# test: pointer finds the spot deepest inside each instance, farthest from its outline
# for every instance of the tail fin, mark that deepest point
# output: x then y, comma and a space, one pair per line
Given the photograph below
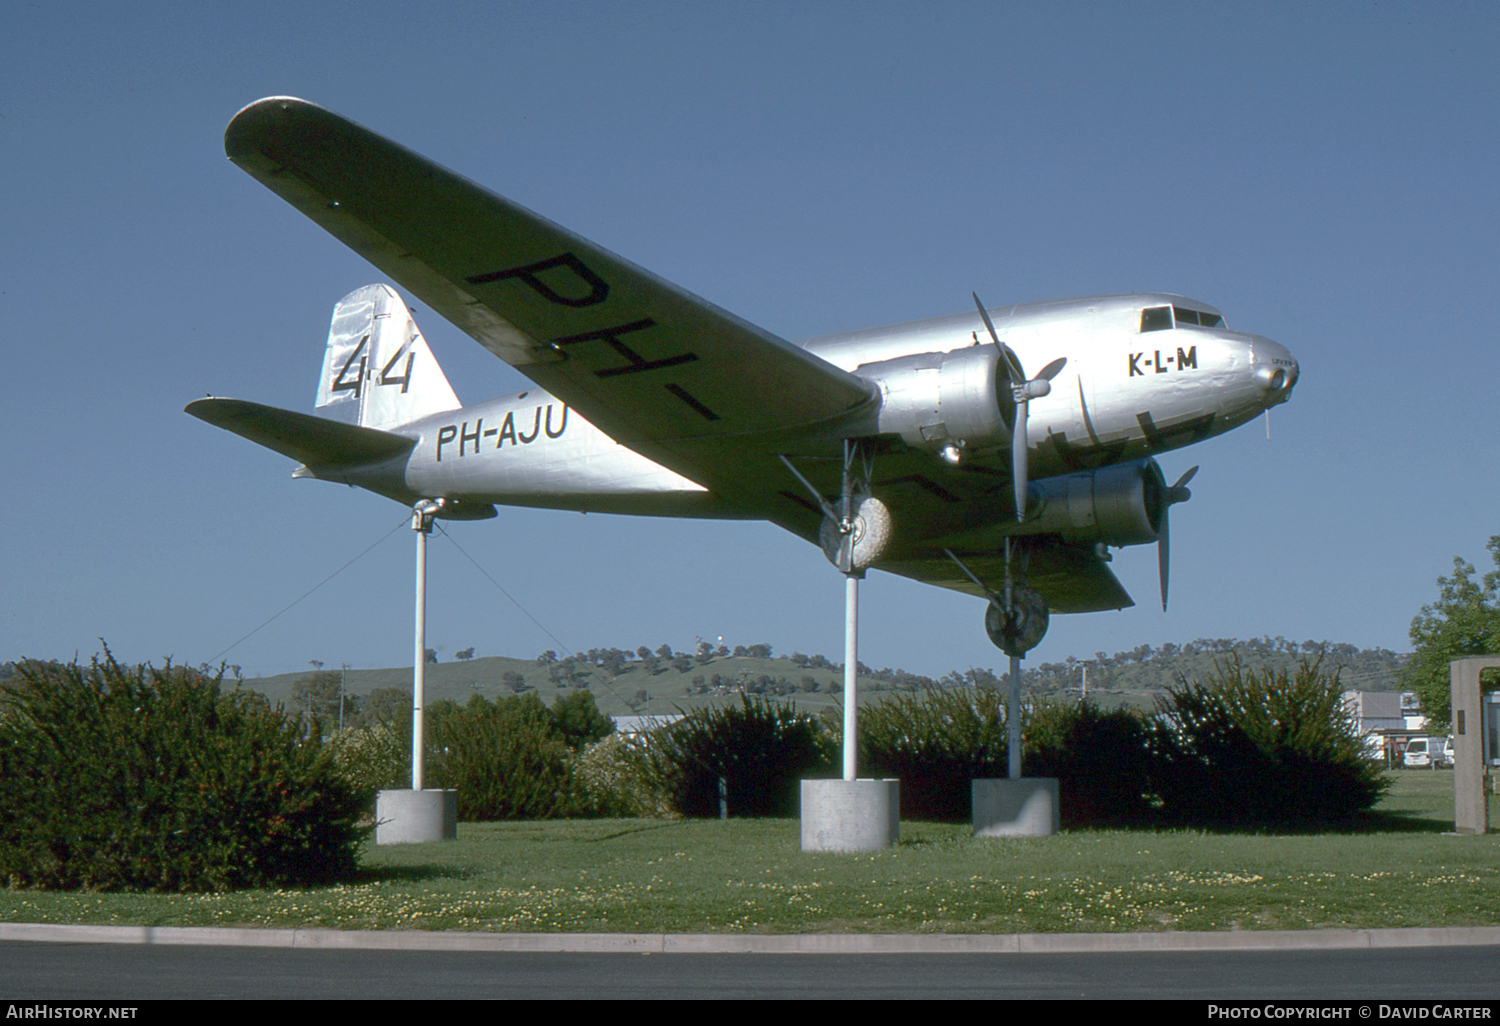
377, 370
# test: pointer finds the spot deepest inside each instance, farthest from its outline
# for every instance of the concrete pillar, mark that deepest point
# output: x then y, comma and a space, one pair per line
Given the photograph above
1470, 808
412, 817
850, 815
1025, 807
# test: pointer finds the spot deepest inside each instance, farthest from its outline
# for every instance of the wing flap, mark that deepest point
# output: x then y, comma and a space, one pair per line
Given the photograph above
646, 361
1070, 577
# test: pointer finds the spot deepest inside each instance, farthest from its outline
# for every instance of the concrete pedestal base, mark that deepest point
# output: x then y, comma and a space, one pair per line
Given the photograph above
1015, 808
850, 815
411, 817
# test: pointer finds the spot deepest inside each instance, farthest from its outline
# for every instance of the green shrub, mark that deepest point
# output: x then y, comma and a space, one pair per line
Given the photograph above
1099, 758
618, 779
1260, 748
156, 779
936, 742
940, 740
376, 757
761, 748
507, 760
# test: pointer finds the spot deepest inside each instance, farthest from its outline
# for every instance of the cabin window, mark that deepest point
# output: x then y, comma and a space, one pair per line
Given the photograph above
1200, 317
1156, 318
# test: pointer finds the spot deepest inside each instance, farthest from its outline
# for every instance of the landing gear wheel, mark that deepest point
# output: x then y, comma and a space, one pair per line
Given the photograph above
872, 532
1017, 631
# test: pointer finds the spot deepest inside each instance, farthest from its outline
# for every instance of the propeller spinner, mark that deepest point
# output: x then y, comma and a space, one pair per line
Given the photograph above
1022, 392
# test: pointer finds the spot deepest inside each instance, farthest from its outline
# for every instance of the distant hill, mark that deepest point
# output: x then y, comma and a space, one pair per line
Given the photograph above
618, 678
1141, 673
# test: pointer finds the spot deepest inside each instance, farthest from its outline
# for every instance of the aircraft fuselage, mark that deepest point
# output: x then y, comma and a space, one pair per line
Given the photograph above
1125, 393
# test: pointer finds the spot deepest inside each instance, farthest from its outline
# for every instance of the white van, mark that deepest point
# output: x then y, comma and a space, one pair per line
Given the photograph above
1419, 753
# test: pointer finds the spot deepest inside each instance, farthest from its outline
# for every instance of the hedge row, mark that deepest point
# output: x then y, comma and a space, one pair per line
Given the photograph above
1240, 749
114, 778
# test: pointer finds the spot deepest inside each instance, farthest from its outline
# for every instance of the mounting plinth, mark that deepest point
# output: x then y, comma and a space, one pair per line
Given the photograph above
1024, 807
412, 817
850, 815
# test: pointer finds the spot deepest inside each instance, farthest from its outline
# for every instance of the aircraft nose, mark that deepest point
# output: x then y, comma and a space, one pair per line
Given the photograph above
1274, 370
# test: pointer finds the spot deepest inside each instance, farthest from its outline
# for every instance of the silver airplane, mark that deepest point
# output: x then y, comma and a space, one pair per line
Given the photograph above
945, 455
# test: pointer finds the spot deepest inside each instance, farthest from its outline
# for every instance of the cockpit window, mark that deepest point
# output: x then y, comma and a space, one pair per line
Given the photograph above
1156, 318
1202, 317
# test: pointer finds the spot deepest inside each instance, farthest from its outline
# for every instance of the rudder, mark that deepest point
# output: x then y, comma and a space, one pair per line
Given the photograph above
377, 370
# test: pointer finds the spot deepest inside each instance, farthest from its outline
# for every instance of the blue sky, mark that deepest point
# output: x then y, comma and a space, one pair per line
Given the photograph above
1324, 173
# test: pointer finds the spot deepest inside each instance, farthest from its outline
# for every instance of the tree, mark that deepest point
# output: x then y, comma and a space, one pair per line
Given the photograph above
514, 681
578, 721
464, 653
318, 694
1464, 621
386, 705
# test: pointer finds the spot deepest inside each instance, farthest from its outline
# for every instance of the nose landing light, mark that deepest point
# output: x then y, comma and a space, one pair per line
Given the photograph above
1270, 379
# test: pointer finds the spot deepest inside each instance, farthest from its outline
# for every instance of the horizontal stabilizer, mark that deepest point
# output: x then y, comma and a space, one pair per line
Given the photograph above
313, 441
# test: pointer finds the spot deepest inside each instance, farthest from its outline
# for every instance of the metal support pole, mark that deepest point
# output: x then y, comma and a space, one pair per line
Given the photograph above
851, 673
421, 523
419, 657
1013, 720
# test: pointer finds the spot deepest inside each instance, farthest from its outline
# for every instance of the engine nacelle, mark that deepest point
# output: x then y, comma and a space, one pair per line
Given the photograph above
1118, 505
936, 400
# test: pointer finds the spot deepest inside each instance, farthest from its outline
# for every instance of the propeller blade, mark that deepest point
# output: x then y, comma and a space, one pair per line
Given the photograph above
1013, 365
1054, 368
986, 315
1164, 555
1018, 455
1022, 391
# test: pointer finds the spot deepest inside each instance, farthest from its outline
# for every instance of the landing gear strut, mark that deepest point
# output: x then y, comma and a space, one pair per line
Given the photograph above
1016, 621
853, 537
850, 814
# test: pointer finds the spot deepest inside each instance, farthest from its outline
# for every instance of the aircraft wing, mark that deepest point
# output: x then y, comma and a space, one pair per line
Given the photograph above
1070, 577
657, 368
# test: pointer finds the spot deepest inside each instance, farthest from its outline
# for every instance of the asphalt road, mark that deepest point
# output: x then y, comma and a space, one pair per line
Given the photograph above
36, 971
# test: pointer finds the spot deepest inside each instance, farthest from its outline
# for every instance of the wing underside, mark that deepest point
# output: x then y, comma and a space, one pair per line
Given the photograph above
658, 369
684, 383
1070, 577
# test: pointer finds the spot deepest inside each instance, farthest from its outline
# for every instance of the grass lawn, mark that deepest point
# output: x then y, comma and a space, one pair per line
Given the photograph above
749, 875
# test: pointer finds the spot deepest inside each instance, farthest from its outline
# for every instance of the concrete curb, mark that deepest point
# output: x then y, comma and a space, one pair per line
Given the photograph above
775, 944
